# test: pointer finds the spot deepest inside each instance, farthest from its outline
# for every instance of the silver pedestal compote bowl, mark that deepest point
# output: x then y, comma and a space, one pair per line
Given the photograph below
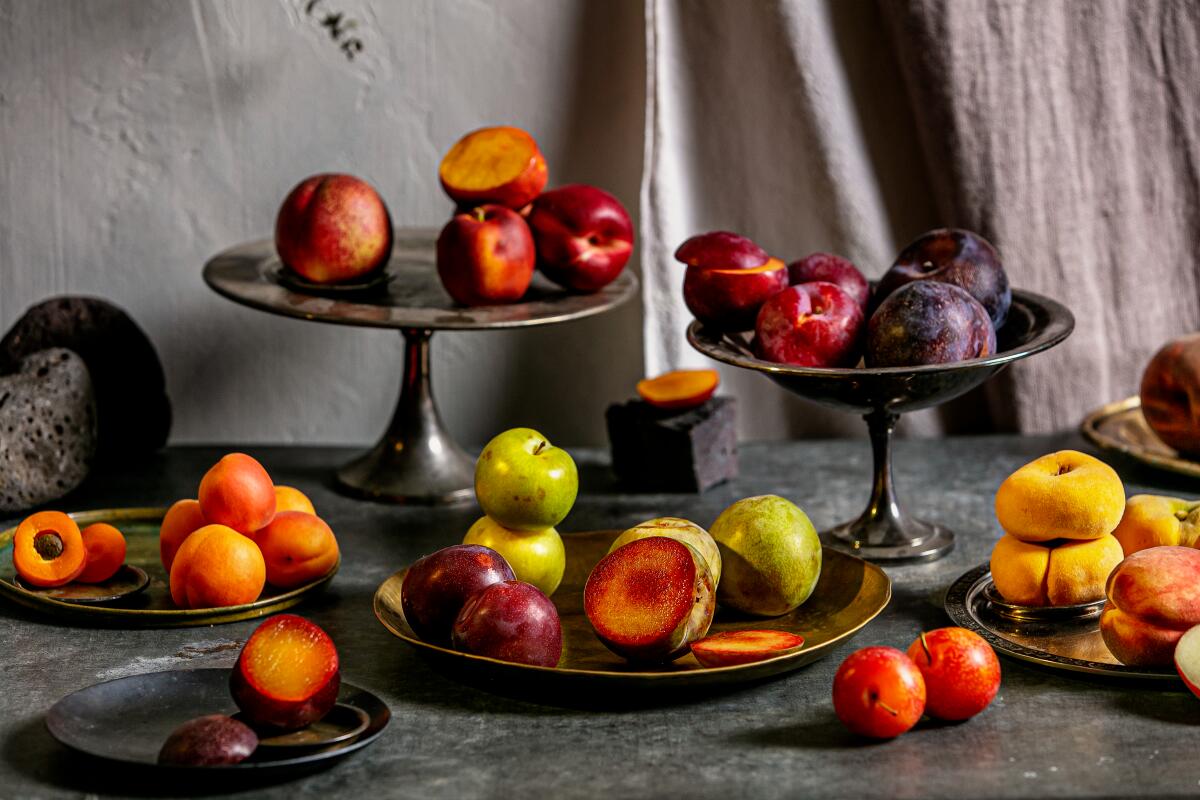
884, 531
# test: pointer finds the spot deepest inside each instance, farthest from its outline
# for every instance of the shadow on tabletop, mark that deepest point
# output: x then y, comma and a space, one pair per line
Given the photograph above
33, 753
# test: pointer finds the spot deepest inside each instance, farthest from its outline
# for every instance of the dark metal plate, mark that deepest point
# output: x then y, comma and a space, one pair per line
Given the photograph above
1063, 639
127, 580
849, 594
341, 724
128, 719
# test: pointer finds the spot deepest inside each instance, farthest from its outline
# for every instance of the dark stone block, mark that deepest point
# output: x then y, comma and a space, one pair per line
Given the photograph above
661, 450
47, 429
132, 408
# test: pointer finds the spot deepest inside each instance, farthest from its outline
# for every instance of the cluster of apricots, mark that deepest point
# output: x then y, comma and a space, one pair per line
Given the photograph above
49, 550
241, 533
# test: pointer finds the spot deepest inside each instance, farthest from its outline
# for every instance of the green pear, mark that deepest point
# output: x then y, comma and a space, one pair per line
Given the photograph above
770, 556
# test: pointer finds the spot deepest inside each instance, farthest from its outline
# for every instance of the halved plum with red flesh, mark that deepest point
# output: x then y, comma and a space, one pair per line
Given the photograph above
650, 599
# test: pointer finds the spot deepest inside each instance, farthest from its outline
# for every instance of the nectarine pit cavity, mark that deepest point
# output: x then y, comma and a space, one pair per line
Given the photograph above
48, 544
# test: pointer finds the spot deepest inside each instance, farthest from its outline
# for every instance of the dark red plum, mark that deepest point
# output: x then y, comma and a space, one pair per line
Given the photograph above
208, 741
815, 324
721, 250
928, 322
436, 586
833, 269
957, 257
511, 621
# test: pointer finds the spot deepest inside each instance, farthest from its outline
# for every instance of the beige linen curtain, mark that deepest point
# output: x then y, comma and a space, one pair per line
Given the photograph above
1066, 131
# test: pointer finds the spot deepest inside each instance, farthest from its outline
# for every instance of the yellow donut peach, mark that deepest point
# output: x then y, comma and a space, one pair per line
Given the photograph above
1063, 495
1062, 573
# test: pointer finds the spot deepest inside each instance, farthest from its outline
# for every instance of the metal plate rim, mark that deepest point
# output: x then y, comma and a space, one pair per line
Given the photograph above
957, 606
1090, 428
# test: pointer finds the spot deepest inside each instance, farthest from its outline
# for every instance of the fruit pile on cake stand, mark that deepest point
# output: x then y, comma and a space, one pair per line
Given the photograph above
335, 258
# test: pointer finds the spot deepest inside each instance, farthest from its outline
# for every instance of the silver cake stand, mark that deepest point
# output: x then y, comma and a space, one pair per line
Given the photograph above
885, 531
416, 461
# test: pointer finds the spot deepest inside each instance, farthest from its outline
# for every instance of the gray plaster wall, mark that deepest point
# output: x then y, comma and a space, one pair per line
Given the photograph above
137, 138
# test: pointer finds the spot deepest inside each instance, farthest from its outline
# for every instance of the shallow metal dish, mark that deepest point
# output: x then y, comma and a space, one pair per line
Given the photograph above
1120, 427
127, 720
849, 594
151, 608
1062, 639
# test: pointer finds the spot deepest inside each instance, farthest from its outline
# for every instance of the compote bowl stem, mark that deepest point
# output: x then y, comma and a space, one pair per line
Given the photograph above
884, 532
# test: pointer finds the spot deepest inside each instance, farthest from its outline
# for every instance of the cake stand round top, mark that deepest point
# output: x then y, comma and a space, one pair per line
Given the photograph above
412, 297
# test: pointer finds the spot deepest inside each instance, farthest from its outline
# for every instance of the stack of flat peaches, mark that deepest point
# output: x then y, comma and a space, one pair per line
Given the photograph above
335, 229
1072, 538
942, 301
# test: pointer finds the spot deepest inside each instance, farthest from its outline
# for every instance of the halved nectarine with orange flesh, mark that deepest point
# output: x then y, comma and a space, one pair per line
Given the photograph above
48, 549
494, 165
731, 298
744, 647
178, 523
650, 599
105, 547
287, 675
682, 388
237, 492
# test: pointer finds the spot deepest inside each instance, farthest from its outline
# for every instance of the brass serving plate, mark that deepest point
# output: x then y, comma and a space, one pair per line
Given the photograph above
1120, 427
1061, 638
850, 593
151, 608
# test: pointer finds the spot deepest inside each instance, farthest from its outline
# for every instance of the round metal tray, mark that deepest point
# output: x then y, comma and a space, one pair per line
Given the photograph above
849, 594
151, 608
1120, 428
1065, 638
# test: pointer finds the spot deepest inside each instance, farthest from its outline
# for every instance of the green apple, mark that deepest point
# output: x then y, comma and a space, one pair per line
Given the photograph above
685, 531
770, 556
536, 557
524, 483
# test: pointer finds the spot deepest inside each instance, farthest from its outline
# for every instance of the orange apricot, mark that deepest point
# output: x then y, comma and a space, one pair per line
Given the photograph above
237, 492
682, 388
48, 549
105, 547
297, 548
290, 499
217, 566
178, 523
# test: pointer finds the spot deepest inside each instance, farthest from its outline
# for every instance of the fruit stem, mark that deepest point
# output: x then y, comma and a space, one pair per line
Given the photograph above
537, 451
925, 647
887, 708
479, 214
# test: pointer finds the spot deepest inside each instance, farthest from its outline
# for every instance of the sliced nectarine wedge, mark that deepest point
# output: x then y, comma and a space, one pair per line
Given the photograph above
649, 599
287, 675
682, 388
744, 647
501, 165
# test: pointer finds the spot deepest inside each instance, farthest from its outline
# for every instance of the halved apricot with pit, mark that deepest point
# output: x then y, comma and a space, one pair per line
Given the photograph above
682, 388
501, 165
48, 549
105, 548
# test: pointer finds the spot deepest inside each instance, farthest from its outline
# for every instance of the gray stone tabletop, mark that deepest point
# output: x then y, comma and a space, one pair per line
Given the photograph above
1047, 733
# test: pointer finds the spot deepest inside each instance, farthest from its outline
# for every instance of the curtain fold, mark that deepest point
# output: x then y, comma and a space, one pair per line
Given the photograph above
1067, 133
